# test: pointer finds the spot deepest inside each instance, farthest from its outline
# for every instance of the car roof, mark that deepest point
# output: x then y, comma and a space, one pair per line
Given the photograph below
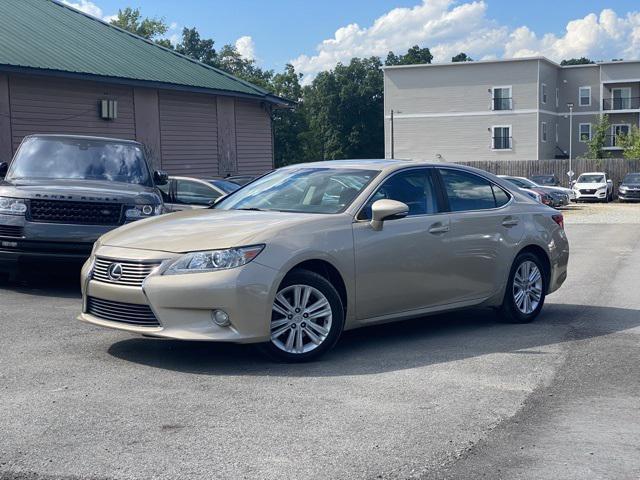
592, 173
81, 137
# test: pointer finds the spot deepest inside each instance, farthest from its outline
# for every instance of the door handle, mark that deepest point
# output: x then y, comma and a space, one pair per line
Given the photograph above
438, 227
510, 222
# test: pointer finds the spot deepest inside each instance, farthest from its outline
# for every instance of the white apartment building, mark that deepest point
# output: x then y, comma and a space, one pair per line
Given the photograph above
515, 109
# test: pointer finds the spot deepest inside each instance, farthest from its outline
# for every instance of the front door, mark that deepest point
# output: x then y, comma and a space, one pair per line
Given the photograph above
404, 266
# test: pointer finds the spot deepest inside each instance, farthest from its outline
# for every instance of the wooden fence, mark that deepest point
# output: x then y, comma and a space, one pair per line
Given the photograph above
616, 168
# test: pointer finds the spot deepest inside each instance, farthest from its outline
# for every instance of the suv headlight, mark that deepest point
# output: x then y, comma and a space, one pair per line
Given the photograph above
142, 211
213, 260
12, 206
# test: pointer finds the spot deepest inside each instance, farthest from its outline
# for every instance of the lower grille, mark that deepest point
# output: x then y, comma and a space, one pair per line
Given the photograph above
128, 273
81, 213
10, 231
627, 194
131, 314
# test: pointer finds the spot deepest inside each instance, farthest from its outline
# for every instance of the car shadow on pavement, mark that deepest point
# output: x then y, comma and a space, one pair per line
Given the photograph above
391, 347
60, 282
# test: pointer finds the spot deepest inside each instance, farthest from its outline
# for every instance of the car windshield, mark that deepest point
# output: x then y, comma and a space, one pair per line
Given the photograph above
544, 179
521, 182
58, 158
304, 190
632, 178
591, 179
226, 187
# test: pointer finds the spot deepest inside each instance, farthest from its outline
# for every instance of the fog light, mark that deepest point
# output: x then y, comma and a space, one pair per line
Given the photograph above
220, 318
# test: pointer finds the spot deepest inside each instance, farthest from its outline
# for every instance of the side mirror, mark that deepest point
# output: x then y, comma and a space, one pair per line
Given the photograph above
160, 177
383, 210
573, 182
215, 201
4, 168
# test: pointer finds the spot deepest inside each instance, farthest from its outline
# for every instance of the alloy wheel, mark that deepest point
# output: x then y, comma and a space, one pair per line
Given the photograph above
301, 319
527, 287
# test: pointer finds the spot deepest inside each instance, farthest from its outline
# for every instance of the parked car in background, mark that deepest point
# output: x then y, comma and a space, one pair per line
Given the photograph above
241, 179
550, 196
547, 180
592, 186
62, 192
276, 262
185, 193
629, 189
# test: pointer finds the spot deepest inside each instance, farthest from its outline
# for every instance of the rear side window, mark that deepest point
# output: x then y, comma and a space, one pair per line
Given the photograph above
412, 187
467, 191
194, 193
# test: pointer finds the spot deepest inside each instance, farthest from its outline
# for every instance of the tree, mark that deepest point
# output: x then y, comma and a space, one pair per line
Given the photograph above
600, 133
415, 55
230, 60
631, 143
461, 57
345, 111
197, 48
131, 20
577, 61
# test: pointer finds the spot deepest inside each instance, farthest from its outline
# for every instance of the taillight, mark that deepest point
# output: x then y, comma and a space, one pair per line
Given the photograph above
559, 219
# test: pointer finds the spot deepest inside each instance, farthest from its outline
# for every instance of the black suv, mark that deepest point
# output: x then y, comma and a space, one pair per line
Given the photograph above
62, 192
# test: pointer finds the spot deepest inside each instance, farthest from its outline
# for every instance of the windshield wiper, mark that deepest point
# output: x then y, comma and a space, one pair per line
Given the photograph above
251, 209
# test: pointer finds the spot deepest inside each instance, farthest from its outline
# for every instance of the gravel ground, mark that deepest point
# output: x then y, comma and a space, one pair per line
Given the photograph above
606, 213
458, 396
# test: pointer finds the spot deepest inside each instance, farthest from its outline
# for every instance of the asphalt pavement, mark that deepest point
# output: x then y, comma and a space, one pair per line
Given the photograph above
457, 396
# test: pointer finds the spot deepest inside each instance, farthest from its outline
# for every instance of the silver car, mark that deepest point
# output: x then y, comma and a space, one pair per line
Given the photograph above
308, 251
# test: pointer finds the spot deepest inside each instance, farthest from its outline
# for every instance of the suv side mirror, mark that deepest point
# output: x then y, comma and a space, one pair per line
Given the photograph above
160, 177
383, 210
4, 168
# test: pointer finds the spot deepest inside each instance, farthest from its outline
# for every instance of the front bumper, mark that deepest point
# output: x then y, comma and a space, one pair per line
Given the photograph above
629, 195
601, 195
183, 304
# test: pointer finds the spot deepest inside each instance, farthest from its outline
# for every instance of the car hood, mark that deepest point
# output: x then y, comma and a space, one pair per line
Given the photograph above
559, 189
208, 229
79, 190
589, 186
631, 185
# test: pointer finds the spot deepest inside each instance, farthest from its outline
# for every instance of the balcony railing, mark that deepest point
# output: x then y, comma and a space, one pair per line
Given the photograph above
626, 103
502, 143
502, 103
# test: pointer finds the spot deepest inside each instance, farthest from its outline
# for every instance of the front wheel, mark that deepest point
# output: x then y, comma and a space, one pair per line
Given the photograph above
525, 292
307, 318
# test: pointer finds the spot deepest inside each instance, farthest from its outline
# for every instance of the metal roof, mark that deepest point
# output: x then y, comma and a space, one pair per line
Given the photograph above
50, 37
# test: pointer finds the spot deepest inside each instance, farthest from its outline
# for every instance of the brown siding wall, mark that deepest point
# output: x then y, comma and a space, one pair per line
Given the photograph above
189, 134
254, 140
48, 105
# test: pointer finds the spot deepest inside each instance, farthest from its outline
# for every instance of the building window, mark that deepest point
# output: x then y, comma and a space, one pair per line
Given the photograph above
584, 96
543, 126
621, 98
544, 93
585, 132
501, 137
557, 97
501, 98
617, 131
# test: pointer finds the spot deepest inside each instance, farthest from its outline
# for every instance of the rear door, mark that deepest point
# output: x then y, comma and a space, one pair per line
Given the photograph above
193, 194
484, 231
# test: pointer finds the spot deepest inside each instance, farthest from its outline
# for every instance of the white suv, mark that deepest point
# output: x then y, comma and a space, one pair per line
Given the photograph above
593, 186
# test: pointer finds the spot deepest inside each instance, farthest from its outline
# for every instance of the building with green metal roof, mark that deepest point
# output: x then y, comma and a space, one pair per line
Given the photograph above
63, 71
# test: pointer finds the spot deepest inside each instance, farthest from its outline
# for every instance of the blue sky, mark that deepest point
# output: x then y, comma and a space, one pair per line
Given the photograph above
285, 30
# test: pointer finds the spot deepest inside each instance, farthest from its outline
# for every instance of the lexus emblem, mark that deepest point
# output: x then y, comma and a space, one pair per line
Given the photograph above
114, 272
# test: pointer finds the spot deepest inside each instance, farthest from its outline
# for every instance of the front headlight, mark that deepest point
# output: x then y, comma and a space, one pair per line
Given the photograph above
142, 211
623, 188
12, 206
213, 260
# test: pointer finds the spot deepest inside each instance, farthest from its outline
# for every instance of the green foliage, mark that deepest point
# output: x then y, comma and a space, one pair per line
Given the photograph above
631, 143
462, 57
195, 47
599, 135
131, 20
577, 61
414, 56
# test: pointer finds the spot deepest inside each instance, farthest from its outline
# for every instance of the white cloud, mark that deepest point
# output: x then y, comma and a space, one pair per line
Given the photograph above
87, 7
448, 27
246, 47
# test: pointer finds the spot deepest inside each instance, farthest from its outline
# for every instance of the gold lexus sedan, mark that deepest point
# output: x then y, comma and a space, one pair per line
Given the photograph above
296, 257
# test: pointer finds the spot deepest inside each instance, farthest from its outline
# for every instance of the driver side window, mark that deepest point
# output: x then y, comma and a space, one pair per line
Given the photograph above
414, 187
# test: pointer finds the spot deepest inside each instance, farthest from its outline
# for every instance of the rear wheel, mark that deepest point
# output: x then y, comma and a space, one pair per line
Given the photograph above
307, 318
525, 293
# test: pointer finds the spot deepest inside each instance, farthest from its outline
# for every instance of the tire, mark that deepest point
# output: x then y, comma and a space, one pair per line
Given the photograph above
297, 336
516, 311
